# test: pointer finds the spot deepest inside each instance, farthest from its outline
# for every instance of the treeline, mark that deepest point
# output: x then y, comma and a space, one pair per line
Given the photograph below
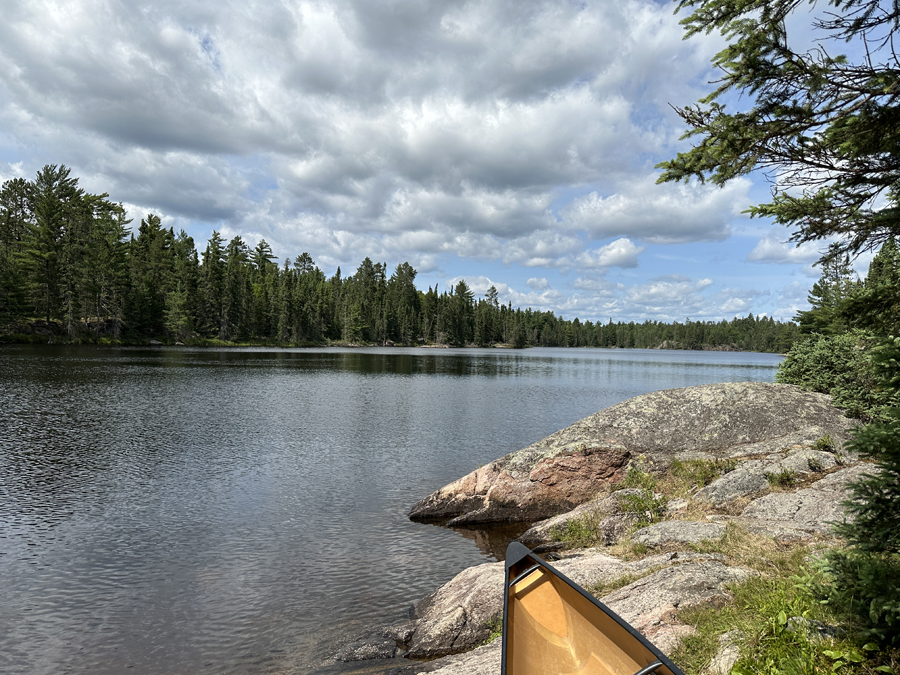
69, 256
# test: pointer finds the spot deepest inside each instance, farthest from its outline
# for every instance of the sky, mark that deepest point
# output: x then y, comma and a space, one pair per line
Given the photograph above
507, 143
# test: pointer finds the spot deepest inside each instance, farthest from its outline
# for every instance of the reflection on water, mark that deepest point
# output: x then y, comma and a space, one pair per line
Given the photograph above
209, 511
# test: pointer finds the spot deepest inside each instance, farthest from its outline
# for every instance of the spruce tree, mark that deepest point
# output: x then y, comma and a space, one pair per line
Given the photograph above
876, 303
864, 579
14, 219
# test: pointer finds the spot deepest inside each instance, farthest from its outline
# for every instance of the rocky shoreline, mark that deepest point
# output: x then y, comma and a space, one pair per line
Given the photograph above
639, 503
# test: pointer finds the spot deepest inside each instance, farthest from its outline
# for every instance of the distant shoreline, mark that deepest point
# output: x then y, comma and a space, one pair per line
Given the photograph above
40, 332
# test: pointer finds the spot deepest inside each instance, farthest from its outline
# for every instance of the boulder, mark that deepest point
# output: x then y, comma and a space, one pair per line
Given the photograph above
573, 465
526, 491
747, 479
678, 532
456, 617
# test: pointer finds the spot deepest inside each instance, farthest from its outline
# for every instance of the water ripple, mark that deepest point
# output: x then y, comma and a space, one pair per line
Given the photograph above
234, 511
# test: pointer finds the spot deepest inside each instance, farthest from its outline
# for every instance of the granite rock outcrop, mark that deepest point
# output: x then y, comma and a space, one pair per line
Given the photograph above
571, 466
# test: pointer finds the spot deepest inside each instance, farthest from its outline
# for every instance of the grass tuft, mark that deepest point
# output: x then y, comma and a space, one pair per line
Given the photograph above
495, 626
647, 506
636, 477
605, 587
581, 532
825, 443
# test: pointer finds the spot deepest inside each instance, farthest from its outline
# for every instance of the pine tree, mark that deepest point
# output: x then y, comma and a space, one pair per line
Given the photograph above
105, 273
827, 298
151, 260
212, 286
52, 197
182, 299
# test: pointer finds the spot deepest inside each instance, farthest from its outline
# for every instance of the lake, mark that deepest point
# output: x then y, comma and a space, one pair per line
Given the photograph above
176, 510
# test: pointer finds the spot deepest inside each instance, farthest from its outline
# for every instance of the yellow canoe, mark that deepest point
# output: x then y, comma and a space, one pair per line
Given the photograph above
552, 626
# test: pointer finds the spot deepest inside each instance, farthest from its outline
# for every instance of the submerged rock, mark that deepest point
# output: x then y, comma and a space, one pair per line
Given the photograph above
573, 465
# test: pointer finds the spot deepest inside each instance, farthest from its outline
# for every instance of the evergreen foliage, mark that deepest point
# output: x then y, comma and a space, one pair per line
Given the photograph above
842, 366
847, 320
828, 299
862, 581
875, 304
66, 256
825, 128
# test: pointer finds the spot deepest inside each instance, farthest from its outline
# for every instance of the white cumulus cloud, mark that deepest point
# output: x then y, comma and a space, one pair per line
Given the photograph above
774, 249
662, 214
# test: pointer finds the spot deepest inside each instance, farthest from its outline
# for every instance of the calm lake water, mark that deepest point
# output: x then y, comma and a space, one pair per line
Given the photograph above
237, 511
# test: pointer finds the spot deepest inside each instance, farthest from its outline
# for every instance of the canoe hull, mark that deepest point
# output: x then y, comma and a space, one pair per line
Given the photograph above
552, 626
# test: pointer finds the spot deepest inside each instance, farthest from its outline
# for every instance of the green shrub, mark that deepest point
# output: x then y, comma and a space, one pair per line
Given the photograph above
863, 582
637, 477
648, 507
784, 478
825, 443
701, 472
580, 532
863, 588
769, 615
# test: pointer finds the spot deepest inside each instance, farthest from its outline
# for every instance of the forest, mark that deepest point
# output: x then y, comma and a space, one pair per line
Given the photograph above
70, 259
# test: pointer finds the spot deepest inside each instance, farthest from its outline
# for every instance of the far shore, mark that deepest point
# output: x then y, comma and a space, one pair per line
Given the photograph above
53, 332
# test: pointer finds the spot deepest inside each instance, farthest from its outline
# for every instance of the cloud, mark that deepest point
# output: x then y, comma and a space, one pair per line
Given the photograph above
602, 287
735, 301
620, 253
542, 299
660, 214
773, 249
792, 299
458, 115
8, 171
674, 296
536, 284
